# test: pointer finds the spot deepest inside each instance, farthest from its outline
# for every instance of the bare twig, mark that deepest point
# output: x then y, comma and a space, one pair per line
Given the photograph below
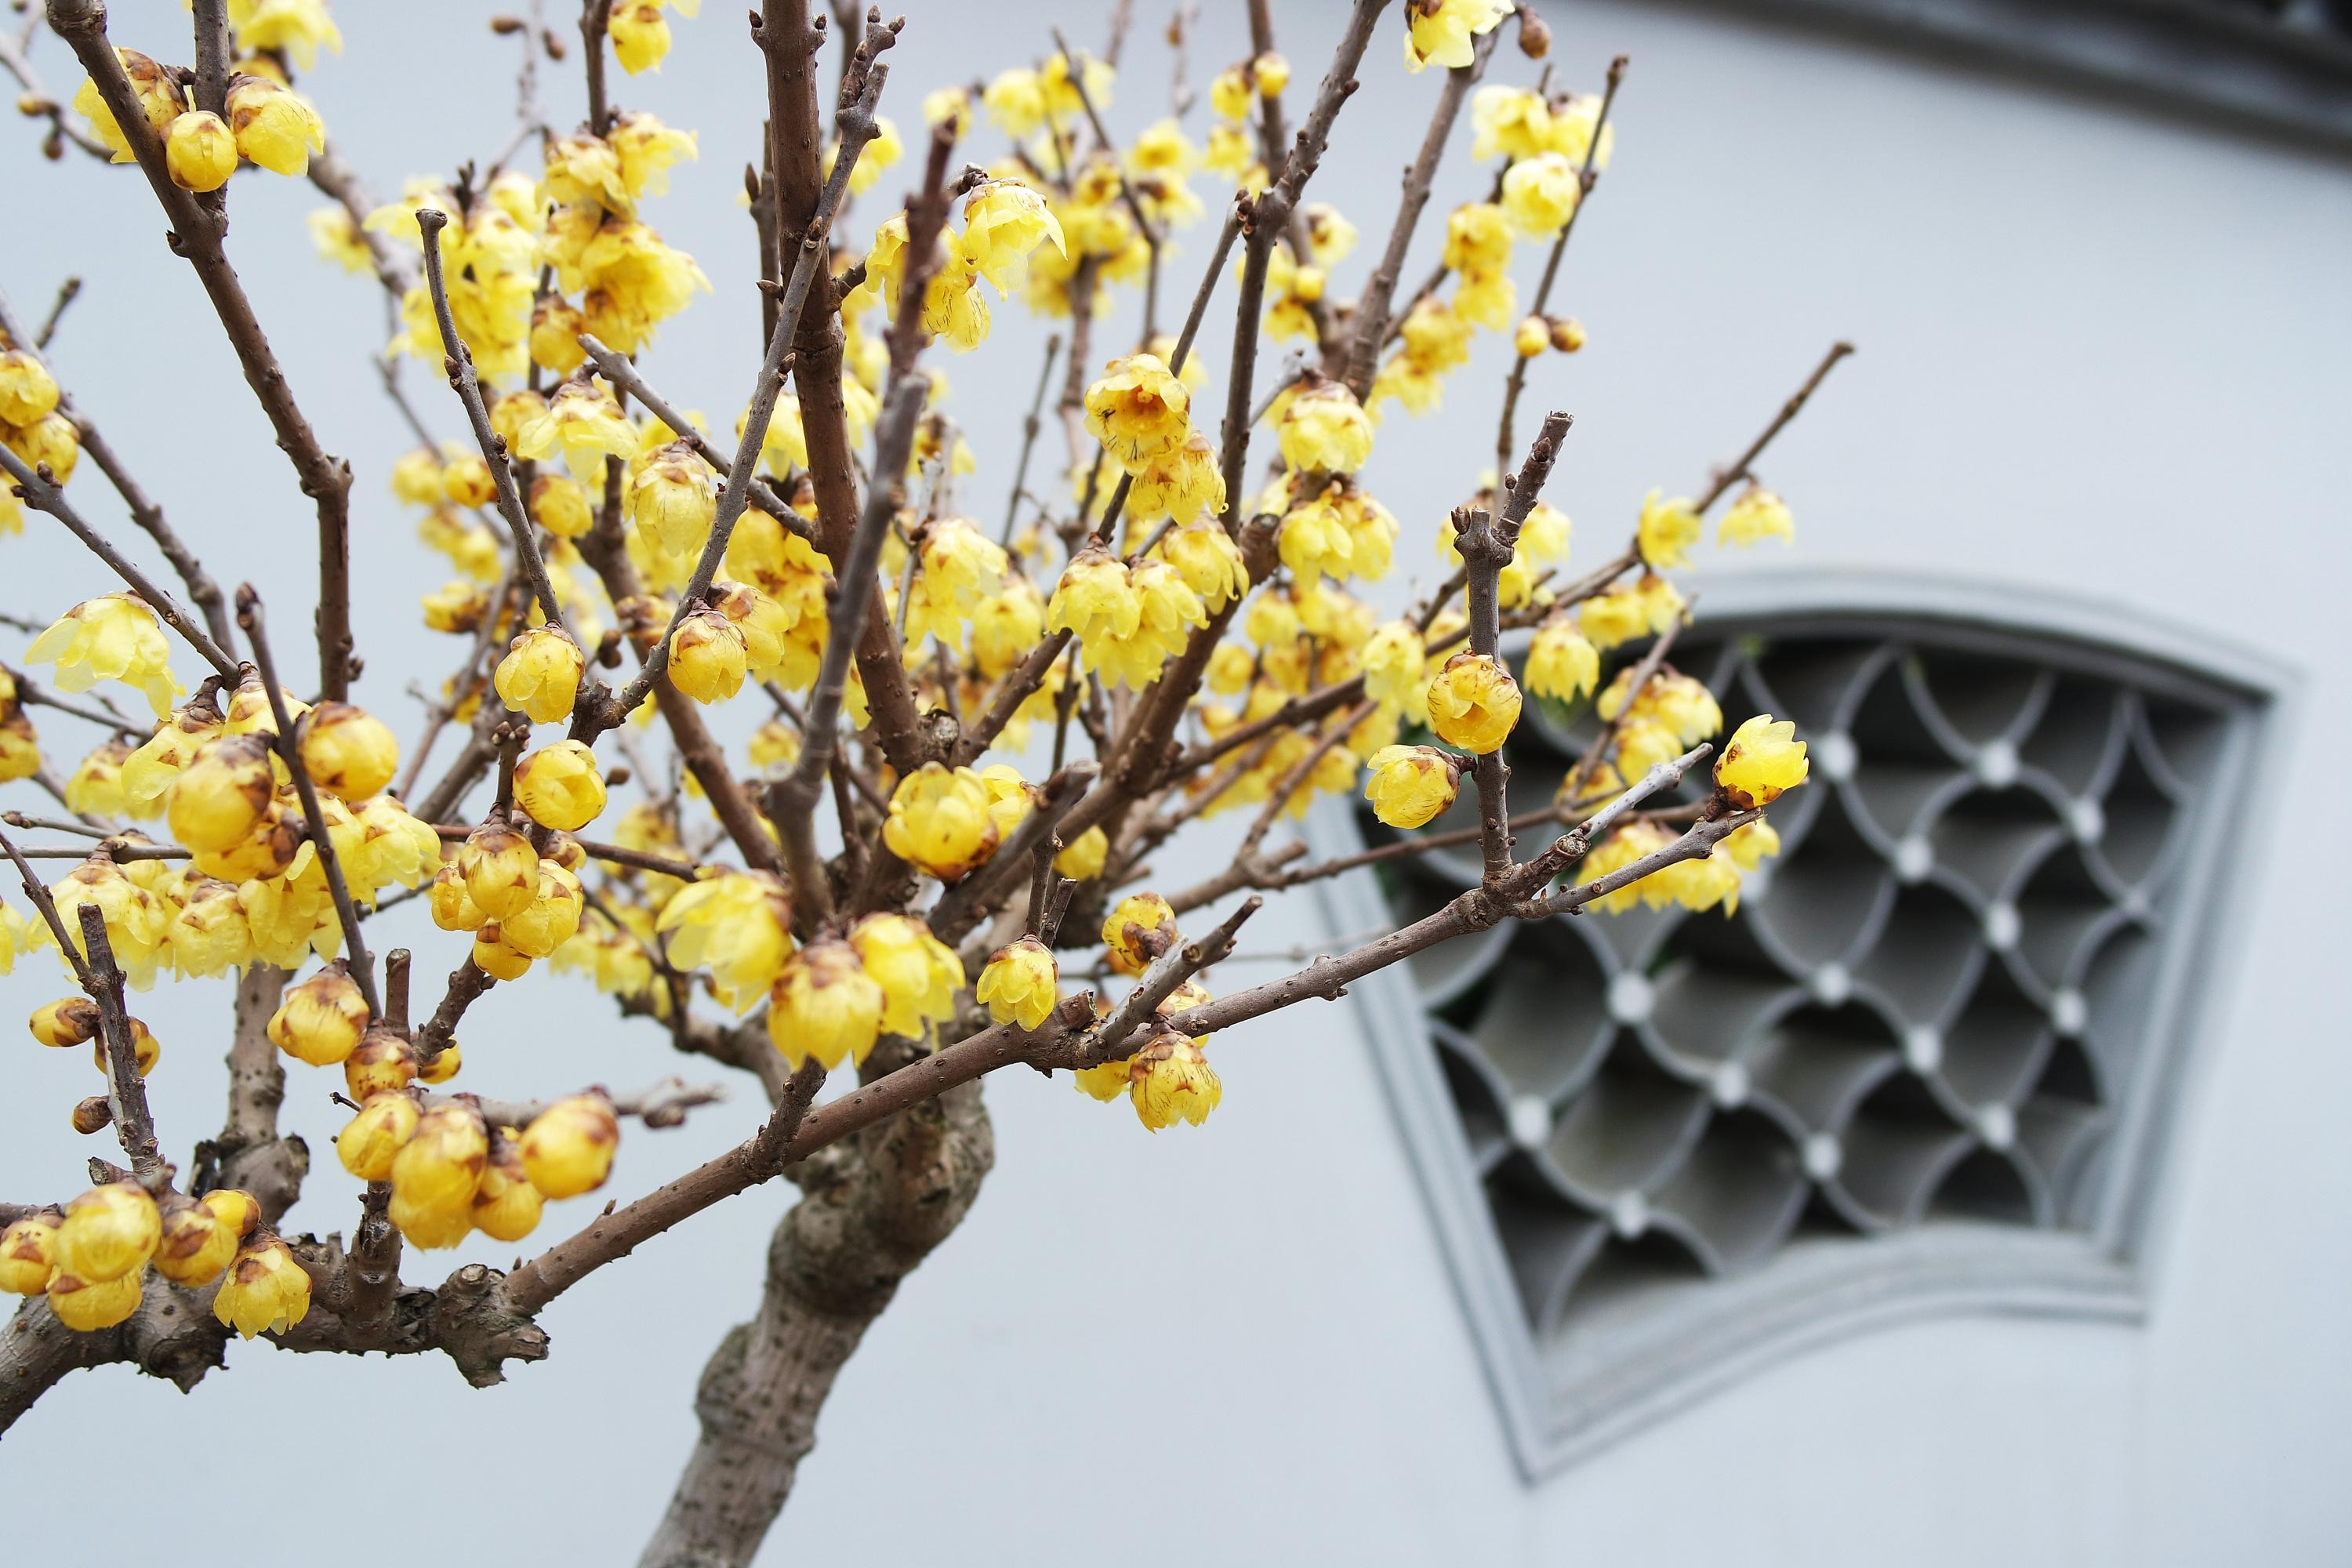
42, 495
287, 743
197, 236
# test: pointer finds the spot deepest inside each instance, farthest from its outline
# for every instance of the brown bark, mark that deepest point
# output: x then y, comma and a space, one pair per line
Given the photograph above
871, 1210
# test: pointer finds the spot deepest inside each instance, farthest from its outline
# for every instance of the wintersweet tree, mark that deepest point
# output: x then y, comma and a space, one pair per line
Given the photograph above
962, 739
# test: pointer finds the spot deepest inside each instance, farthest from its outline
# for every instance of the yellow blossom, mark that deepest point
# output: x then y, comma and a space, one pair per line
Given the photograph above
200, 152
540, 674
86, 1306
1139, 929
940, 821
113, 637
107, 1232
1137, 410
28, 1253
1540, 194
319, 1021
1438, 32
1083, 861
1169, 1079
568, 1148
265, 1289
194, 1247
273, 125
1323, 428
1562, 663
1412, 786
737, 924
368, 1141
560, 787
1756, 514
1668, 529
920, 975
1021, 984
1473, 702
825, 1006
1004, 220
1762, 760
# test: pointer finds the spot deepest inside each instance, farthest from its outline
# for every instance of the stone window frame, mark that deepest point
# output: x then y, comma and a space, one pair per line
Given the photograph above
2213, 60
1559, 1406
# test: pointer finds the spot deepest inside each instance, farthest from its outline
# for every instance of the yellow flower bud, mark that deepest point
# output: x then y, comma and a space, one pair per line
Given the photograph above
552, 917
1540, 194
707, 656
145, 1049
440, 1165
1474, 703
444, 1066
1412, 786
453, 907
264, 1288
555, 329
497, 957
568, 1148
1667, 529
51, 440
501, 870
383, 1064
1323, 427
920, 975
194, 1245
1756, 514
1271, 72
1021, 984
559, 506
20, 749
429, 1225
940, 821
28, 390
321, 1020
274, 126
28, 1253
348, 752
1083, 861
674, 498
825, 1006
640, 34
506, 1205
540, 674
234, 1208
86, 1305
1762, 760
220, 798
1139, 929
1568, 334
268, 850
1170, 1079
69, 1021
560, 787
109, 1232
368, 1141
200, 151
1532, 336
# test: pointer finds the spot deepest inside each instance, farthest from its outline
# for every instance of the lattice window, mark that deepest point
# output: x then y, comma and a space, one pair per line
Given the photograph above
1941, 1020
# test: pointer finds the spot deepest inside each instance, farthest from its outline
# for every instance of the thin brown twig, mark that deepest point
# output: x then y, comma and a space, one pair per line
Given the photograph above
197, 236
286, 741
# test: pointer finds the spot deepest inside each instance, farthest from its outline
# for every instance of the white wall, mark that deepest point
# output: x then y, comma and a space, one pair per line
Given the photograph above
2099, 351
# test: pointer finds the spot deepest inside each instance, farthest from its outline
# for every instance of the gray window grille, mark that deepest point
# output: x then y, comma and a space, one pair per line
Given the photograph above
1926, 1066
2279, 66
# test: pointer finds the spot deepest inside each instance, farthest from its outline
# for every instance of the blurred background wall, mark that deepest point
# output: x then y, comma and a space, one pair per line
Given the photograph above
2104, 349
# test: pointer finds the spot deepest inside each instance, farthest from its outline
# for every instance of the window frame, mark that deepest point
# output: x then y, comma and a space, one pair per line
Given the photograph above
1561, 1405
2175, 57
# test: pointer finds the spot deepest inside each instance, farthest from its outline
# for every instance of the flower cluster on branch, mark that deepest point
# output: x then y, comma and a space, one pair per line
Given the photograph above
762, 731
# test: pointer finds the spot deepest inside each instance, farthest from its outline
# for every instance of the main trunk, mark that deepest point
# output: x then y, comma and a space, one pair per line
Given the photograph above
870, 1211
